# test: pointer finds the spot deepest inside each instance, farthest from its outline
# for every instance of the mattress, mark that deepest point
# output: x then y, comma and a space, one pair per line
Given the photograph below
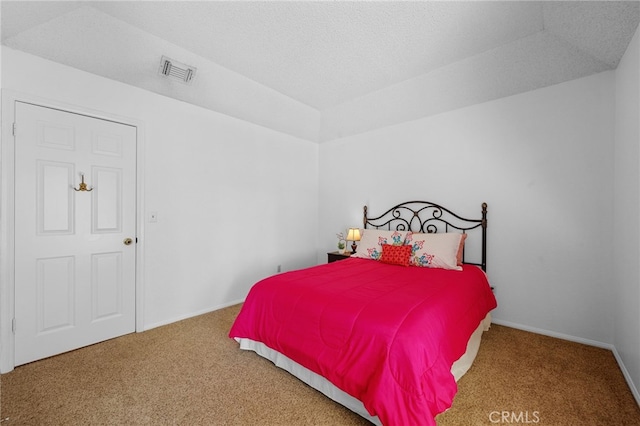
386, 335
459, 368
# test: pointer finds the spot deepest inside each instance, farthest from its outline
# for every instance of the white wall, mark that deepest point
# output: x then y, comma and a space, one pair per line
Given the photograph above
234, 199
542, 161
626, 242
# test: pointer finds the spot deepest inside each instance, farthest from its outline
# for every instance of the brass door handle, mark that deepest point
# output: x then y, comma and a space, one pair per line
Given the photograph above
127, 241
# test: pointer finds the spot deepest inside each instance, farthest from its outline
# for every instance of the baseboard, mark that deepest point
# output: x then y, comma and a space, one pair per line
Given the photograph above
612, 348
191, 315
553, 334
627, 376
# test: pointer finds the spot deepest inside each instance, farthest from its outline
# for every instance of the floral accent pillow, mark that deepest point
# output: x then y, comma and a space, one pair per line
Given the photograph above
372, 240
396, 255
435, 250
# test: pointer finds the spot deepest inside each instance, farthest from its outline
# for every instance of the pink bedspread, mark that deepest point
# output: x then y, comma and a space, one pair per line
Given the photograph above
385, 334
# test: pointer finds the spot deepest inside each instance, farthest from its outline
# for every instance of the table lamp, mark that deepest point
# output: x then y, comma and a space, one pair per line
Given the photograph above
353, 235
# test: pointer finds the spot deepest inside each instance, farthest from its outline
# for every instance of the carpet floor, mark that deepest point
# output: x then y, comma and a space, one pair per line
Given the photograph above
191, 373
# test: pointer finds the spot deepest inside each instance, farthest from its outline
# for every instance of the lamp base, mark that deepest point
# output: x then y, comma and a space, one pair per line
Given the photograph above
354, 246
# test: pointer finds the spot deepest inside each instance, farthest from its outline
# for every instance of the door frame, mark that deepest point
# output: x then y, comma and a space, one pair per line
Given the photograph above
7, 208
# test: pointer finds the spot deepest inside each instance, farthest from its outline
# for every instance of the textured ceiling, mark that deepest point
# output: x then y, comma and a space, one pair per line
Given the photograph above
323, 54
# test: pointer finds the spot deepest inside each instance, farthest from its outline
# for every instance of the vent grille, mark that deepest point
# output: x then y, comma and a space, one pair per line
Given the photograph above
177, 70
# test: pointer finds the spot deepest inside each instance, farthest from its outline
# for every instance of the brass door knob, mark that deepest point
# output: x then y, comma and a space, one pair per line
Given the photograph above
127, 241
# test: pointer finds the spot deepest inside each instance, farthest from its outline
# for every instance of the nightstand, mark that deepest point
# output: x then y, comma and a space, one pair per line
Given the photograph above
335, 256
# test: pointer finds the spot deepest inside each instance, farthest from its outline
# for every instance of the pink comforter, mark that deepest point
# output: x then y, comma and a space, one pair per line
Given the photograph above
385, 334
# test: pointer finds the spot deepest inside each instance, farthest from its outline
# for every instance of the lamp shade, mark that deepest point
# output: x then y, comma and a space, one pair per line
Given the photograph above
353, 234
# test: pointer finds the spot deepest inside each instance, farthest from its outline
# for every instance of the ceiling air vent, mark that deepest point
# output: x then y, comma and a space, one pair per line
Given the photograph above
177, 70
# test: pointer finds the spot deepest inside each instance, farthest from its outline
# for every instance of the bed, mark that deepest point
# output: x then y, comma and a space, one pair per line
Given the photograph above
388, 331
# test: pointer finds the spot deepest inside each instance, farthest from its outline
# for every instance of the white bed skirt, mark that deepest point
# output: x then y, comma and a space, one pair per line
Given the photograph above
458, 369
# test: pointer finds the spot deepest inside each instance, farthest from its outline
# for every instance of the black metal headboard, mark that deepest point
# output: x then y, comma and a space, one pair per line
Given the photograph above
427, 217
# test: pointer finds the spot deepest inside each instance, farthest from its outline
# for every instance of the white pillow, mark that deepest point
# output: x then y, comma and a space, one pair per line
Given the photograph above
370, 246
435, 250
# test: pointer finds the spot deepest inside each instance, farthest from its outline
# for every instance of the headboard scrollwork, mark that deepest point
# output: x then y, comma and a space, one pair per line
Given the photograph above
427, 217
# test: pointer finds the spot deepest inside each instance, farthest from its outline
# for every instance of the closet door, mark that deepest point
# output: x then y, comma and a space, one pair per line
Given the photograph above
75, 201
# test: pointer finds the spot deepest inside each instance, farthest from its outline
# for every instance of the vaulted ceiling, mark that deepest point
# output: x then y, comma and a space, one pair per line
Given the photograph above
334, 57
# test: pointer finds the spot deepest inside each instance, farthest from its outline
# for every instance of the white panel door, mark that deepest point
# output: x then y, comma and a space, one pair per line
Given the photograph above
74, 274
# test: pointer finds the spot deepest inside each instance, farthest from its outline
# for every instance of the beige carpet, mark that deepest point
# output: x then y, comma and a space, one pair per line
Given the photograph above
191, 373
